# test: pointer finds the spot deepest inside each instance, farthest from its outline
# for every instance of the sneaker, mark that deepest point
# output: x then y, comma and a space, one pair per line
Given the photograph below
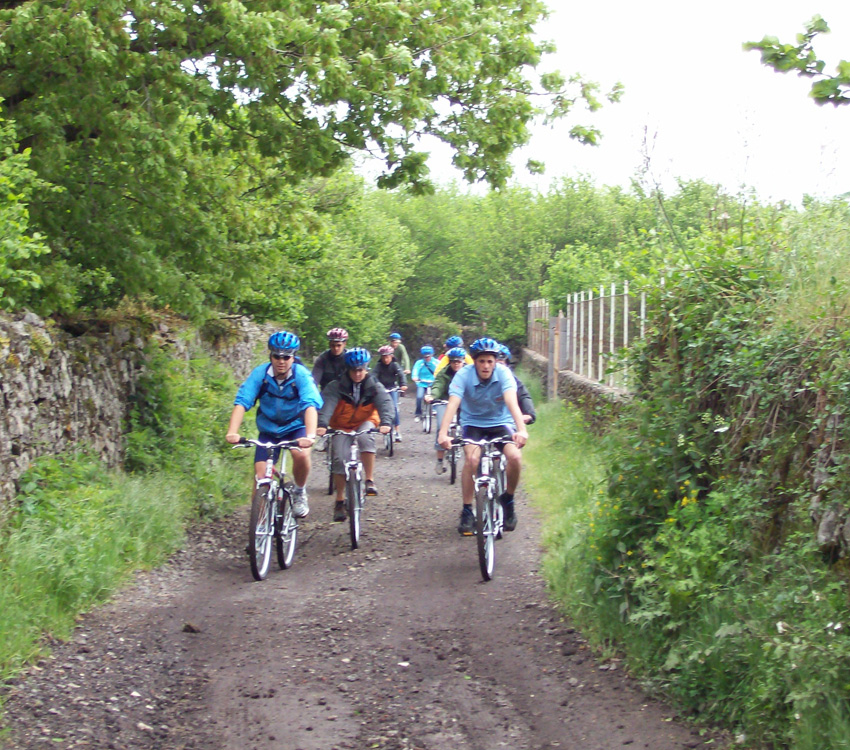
466, 527
440, 468
300, 507
397, 436
371, 489
339, 512
321, 444
509, 519
417, 419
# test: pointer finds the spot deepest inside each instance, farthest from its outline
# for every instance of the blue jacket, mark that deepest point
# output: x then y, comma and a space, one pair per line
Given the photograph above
424, 371
281, 407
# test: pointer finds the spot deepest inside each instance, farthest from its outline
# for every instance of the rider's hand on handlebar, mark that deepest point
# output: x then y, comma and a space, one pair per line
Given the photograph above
444, 440
232, 438
384, 429
321, 431
306, 442
520, 438
428, 399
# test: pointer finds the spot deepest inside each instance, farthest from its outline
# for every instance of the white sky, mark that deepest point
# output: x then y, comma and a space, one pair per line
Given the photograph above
712, 110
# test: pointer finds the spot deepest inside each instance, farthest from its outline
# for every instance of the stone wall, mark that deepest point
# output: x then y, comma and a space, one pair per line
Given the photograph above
576, 389
61, 389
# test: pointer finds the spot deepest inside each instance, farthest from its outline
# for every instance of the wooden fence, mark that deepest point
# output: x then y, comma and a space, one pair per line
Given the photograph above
588, 330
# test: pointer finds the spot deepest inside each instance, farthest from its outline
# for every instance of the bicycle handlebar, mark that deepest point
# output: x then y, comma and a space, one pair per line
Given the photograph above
291, 445
331, 431
483, 443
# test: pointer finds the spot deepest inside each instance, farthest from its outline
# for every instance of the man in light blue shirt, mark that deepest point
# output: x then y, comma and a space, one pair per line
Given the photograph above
486, 396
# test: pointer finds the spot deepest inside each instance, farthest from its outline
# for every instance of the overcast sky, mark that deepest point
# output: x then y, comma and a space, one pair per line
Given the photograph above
711, 110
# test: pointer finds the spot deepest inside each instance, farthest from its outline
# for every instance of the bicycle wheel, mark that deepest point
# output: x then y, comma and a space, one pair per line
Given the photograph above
388, 441
454, 457
484, 532
426, 417
261, 531
354, 505
501, 486
330, 456
287, 531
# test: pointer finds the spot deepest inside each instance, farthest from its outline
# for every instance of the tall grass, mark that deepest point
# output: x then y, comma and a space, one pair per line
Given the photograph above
80, 530
563, 476
79, 533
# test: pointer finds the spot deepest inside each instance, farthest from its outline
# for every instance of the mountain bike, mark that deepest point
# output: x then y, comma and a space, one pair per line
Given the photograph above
490, 483
271, 512
355, 490
454, 455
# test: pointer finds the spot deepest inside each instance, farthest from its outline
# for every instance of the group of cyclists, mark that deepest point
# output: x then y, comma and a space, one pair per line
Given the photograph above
343, 395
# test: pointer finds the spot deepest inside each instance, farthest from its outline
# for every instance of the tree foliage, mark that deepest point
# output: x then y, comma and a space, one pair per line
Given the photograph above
179, 133
783, 57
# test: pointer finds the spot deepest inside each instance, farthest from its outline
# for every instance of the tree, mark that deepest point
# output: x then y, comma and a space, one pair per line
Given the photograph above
826, 89
177, 129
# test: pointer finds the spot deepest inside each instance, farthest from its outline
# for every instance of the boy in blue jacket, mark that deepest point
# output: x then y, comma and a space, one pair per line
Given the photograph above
288, 403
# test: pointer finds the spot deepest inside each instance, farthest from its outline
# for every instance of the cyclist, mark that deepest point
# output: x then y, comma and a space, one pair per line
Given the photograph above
288, 401
526, 403
443, 359
400, 352
330, 364
456, 357
356, 401
391, 376
486, 396
423, 376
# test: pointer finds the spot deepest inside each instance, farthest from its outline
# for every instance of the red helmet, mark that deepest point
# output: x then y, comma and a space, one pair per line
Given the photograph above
385, 350
338, 334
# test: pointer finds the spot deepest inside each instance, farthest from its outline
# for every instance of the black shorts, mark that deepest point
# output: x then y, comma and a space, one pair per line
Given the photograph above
488, 433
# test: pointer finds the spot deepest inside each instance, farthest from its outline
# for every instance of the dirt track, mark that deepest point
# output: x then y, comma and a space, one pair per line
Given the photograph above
396, 645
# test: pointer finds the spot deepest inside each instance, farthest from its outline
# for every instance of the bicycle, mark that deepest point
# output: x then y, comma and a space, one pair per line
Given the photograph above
490, 483
355, 493
390, 437
271, 513
453, 455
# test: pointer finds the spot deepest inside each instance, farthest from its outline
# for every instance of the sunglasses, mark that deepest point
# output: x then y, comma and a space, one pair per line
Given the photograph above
284, 357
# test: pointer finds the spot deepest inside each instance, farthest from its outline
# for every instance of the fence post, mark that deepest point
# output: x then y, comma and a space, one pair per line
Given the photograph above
613, 318
600, 359
554, 355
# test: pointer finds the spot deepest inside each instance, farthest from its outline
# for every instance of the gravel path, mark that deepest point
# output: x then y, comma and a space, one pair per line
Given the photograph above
397, 645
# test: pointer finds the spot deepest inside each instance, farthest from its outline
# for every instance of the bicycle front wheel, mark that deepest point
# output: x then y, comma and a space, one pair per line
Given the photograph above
330, 456
354, 506
389, 438
454, 458
485, 532
426, 418
261, 531
287, 532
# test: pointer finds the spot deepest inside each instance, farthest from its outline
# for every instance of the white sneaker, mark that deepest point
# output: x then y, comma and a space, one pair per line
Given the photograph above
300, 507
416, 419
440, 468
398, 436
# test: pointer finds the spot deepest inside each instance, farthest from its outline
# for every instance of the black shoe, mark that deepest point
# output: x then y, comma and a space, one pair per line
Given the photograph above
466, 527
371, 489
509, 514
339, 512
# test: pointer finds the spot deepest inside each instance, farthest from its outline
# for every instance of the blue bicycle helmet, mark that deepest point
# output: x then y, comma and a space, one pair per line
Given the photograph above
456, 352
504, 353
357, 357
453, 341
394, 336
426, 350
484, 346
283, 342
